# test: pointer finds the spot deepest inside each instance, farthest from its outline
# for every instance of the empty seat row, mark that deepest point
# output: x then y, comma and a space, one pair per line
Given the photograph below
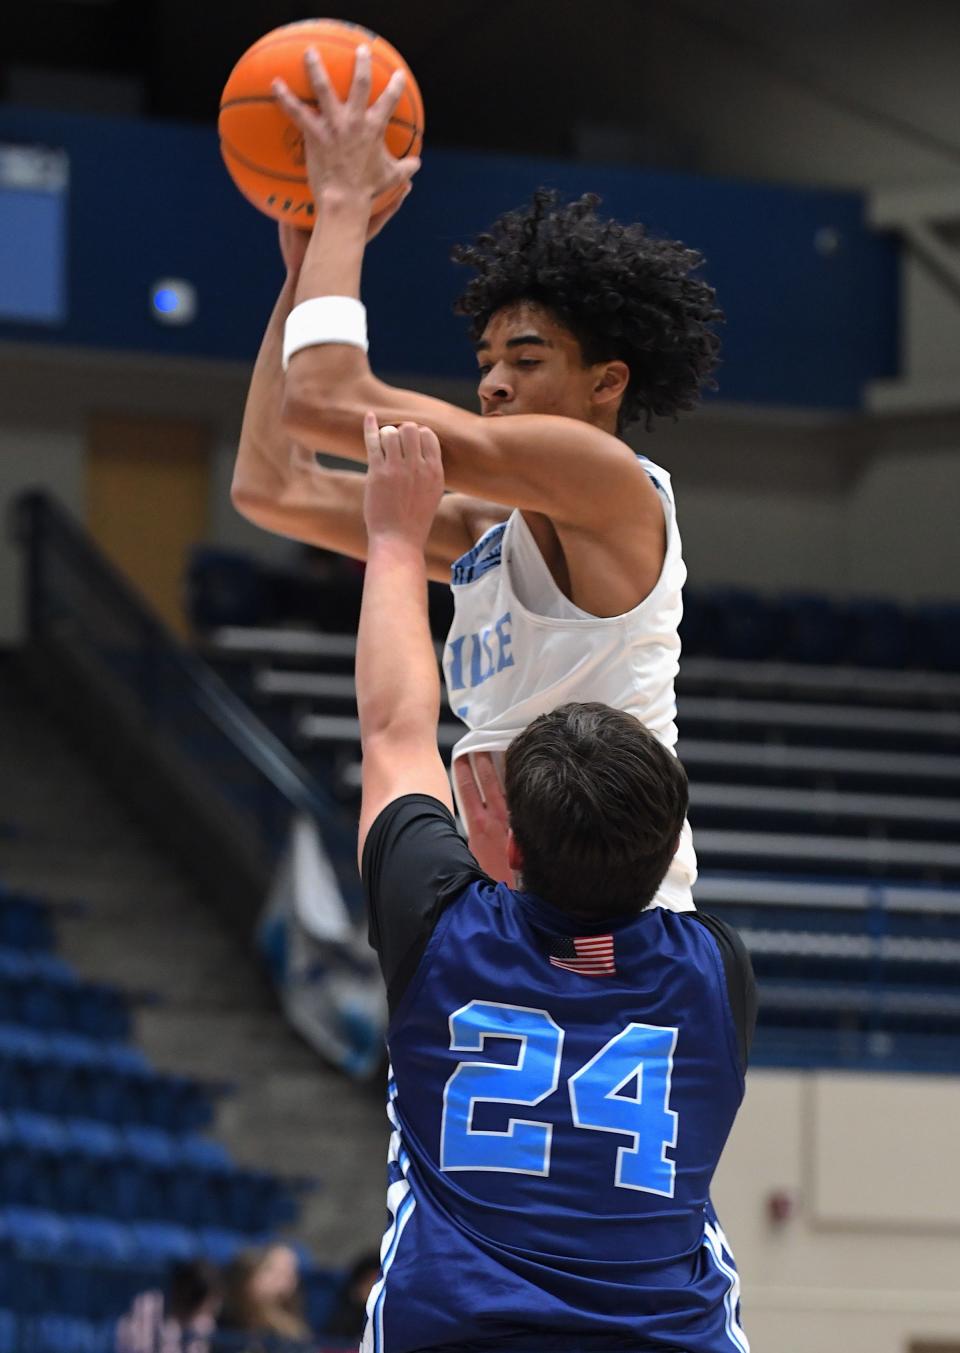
231, 589
137, 1173
24, 922
39, 989
739, 624
41, 1234
46, 1333
154, 1146
61, 1074
90, 1267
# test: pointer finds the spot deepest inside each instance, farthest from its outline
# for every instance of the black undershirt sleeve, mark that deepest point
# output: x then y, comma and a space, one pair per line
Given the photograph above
415, 863
741, 986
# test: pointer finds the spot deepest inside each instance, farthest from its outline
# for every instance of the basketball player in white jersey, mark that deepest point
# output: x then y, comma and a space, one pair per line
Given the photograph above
566, 558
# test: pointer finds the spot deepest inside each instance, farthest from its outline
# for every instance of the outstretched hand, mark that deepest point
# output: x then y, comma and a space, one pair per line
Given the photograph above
404, 481
344, 139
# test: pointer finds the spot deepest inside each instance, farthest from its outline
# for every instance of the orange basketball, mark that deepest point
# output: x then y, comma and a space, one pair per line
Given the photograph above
262, 148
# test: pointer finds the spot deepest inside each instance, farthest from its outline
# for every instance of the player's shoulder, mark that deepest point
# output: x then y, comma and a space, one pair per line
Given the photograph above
724, 934
738, 974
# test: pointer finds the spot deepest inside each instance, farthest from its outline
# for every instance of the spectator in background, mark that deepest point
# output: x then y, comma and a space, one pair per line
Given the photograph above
262, 1297
182, 1320
350, 1312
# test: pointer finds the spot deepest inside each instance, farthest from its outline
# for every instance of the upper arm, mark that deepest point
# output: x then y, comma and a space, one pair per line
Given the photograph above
414, 864
741, 984
399, 761
563, 467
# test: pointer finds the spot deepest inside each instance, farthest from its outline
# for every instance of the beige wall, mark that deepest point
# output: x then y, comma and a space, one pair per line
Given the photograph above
869, 1259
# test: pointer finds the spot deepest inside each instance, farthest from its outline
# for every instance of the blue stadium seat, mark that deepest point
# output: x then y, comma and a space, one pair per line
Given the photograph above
71, 1334
877, 635
24, 922
748, 627
936, 636
35, 1231
224, 587
813, 629
98, 1240
218, 1245
201, 1153
163, 1242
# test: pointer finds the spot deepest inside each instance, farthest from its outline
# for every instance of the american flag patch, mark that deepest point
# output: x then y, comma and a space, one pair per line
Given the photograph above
591, 955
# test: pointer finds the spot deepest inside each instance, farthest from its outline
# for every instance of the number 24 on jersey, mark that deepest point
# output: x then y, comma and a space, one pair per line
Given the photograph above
640, 1053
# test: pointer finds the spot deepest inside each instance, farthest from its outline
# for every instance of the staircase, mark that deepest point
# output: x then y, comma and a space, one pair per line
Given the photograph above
206, 1010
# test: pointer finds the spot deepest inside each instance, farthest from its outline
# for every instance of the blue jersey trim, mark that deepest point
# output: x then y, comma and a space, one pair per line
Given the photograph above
714, 1241
477, 561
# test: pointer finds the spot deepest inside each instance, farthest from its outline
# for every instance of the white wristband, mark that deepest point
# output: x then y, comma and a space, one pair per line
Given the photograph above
325, 319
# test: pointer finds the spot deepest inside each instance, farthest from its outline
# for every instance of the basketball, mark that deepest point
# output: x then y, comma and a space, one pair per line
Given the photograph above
261, 147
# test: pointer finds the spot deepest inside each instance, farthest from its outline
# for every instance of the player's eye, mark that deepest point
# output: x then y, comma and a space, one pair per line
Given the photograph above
528, 361
483, 371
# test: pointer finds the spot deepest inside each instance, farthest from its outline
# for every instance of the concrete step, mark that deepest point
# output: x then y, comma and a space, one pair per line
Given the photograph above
95, 892
252, 1041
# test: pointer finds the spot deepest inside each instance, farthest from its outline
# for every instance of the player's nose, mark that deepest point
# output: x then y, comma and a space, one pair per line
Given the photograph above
494, 391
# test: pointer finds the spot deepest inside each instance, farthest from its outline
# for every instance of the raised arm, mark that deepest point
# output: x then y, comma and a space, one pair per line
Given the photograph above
279, 485
567, 469
398, 684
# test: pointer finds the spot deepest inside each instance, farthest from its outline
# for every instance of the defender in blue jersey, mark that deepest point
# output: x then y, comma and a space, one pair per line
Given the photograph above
567, 1061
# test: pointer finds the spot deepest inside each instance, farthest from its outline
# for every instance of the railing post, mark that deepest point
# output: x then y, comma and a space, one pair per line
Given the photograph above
29, 524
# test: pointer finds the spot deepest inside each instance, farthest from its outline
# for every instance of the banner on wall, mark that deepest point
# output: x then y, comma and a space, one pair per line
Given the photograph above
326, 973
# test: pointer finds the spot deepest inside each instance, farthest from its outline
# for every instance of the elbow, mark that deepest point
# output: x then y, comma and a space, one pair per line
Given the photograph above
387, 730
246, 501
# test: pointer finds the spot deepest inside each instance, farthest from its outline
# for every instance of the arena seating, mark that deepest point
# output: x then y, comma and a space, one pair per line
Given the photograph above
104, 1176
825, 799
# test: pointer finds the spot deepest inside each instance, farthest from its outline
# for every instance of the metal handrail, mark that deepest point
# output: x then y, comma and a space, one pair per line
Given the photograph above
42, 524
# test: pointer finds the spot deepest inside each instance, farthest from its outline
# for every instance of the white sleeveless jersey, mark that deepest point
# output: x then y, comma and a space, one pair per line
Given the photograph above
518, 648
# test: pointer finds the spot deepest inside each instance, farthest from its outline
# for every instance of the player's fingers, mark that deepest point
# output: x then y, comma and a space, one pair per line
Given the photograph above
489, 782
430, 446
391, 444
327, 101
471, 803
296, 111
359, 95
404, 170
410, 441
382, 111
371, 438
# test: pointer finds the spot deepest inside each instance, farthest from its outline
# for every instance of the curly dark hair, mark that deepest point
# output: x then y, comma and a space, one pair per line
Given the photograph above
622, 294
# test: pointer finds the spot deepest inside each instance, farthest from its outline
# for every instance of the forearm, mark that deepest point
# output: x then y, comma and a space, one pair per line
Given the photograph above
334, 259
263, 456
398, 684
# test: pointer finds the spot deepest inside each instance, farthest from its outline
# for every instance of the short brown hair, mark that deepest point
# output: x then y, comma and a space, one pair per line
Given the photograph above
596, 804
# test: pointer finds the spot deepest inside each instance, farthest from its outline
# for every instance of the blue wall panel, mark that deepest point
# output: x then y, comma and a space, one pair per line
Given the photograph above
151, 200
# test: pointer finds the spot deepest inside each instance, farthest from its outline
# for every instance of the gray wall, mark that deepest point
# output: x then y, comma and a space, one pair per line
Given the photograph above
801, 93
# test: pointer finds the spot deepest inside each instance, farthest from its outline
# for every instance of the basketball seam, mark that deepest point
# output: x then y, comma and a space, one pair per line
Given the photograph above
334, 41
311, 103
258, 169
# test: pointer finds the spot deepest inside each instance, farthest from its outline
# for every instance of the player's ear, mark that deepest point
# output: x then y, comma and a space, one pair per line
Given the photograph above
610, 382
514, 853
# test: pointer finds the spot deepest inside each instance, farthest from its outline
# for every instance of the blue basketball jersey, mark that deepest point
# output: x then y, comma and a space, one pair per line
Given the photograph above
559, 1100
